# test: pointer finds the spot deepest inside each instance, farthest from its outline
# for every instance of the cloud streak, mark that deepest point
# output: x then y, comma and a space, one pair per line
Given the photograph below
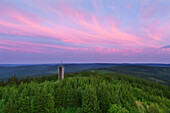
167, 46
83, 28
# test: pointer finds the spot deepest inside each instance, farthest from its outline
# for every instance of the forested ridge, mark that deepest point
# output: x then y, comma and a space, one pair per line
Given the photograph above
84, 92
158, 74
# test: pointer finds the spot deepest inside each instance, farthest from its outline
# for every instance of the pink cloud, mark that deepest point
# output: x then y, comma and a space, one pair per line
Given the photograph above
100, 32
43, 48
30, 50
87, 31
31, 44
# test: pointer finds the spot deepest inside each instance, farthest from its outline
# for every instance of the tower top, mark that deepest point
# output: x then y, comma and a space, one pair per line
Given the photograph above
61, 63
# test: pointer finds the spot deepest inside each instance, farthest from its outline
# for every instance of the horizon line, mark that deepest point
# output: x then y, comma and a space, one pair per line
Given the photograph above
86, 63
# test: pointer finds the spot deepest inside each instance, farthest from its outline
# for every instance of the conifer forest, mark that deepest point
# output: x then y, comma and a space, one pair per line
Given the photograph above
83, 92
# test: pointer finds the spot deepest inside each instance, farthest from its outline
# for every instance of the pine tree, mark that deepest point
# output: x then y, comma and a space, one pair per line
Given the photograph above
90, 102
2, 104
60, 96
24, 104
104, 98
117, 109
43, 102
10, 107
2, 83
27, 79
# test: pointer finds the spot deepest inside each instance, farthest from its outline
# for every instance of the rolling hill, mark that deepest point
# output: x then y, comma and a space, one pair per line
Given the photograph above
157, 74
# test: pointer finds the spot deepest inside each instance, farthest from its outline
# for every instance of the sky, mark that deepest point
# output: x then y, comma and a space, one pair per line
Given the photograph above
84, 31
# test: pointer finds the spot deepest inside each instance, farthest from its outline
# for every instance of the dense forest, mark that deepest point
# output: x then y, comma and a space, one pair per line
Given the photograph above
158, 74
84, 92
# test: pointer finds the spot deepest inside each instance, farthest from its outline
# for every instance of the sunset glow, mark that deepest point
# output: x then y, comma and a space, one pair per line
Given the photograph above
36, 31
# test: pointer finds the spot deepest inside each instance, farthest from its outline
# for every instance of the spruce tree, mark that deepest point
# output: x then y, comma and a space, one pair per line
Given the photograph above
24, 104
43, 102
90, 102
10, 107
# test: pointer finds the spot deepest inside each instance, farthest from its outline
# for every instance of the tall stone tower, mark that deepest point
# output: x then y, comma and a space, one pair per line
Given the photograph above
60, 72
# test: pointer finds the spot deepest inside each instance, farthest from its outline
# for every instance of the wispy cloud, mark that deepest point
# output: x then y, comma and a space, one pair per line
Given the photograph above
167, 46
93, 26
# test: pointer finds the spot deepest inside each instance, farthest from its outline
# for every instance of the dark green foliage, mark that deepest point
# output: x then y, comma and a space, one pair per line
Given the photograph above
43, 102
24, 104
104, 96
10, 107
90, 102
2, 83
12, 80
117, 109
83, 92
60, 97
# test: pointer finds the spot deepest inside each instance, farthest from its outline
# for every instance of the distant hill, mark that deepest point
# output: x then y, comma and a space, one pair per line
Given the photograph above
45, 69
158, 74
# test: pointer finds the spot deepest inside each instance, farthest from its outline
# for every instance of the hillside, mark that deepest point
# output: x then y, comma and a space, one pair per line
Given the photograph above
22, 70
84, 92
157, 74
